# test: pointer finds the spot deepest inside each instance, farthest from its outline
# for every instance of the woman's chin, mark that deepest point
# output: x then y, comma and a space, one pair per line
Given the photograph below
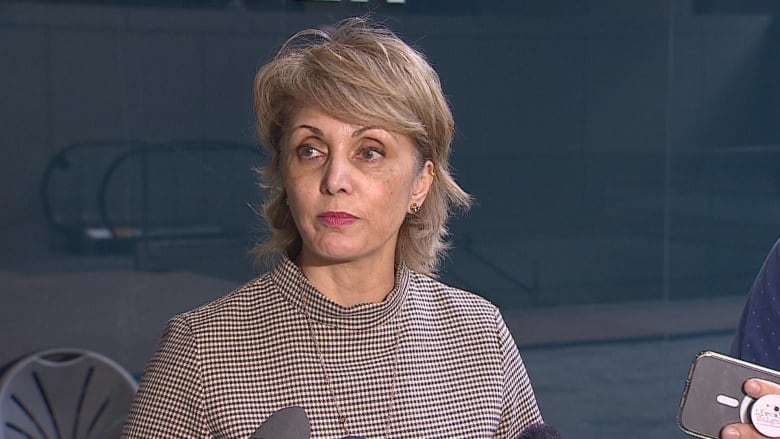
338, 255
332, 255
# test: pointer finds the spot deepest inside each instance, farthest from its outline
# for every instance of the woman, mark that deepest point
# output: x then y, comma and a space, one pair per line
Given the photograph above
350, 324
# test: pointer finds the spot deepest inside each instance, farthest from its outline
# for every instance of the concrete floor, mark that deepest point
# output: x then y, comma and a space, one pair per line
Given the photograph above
625, 389
619, 371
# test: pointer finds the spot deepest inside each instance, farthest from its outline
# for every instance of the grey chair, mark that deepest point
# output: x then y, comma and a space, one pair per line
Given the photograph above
64, 394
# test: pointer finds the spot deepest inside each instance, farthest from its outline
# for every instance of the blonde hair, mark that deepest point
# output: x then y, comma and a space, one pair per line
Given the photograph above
361, 73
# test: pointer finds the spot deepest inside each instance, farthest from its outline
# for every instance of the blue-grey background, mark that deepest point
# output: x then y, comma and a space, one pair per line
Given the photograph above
624, 157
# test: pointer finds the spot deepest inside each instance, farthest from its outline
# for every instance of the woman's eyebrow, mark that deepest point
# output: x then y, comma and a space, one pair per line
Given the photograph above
316, 131
357, 133
360, 131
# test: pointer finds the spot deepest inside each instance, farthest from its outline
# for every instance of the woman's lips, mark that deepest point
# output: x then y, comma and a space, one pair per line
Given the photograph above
336, 219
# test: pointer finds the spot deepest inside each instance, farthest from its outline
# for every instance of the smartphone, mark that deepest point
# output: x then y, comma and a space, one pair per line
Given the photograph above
713, 396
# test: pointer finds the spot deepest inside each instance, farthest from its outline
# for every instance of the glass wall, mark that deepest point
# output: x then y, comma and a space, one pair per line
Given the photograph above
623, 157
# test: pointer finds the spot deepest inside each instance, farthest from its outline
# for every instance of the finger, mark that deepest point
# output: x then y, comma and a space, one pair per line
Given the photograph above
757, 388
753, 387
740, 431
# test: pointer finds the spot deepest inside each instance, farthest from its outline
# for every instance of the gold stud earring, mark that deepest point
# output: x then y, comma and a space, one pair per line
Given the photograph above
415, 208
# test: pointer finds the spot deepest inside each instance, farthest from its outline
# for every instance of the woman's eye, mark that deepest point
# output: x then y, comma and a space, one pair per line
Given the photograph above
308, 152
372, 154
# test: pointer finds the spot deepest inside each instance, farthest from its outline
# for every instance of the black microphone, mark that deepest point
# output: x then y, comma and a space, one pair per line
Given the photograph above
539, 431
286, 423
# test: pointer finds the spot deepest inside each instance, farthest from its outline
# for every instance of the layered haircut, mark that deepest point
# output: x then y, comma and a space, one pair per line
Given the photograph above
361, 73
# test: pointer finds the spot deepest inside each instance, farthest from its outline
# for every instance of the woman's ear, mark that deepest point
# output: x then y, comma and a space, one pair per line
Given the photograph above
423, 183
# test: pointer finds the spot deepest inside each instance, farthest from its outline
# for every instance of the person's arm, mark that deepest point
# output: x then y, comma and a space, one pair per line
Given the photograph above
756, 388
520, 409
755, 340
169, 402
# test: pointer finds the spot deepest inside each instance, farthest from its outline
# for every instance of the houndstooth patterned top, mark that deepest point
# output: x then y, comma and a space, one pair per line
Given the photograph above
431, 361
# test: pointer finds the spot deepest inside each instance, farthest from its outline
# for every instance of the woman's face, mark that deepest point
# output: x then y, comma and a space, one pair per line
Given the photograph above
349, 187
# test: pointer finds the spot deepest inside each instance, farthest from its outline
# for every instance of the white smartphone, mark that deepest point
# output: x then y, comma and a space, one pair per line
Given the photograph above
713, 395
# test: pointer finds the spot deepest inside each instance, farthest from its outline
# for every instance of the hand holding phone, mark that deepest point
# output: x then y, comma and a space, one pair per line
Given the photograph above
766, 394
714, 397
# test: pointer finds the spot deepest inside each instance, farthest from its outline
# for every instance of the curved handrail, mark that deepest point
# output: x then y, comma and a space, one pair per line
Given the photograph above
60, 162
187, 145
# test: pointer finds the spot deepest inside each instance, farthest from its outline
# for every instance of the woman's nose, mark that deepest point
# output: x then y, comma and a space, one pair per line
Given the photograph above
337, 177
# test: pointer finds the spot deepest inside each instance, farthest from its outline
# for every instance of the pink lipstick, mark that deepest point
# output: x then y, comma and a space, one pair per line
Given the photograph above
336, 219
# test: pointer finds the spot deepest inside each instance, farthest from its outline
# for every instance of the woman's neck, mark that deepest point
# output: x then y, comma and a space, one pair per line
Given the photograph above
350, 283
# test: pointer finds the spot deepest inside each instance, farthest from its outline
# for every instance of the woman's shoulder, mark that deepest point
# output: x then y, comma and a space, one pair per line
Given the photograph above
435, 294
243, 302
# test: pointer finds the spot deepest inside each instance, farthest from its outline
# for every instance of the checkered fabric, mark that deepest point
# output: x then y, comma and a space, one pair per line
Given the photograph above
225, 367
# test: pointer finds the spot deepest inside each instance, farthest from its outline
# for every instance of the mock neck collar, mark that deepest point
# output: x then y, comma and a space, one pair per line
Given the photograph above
292, 283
